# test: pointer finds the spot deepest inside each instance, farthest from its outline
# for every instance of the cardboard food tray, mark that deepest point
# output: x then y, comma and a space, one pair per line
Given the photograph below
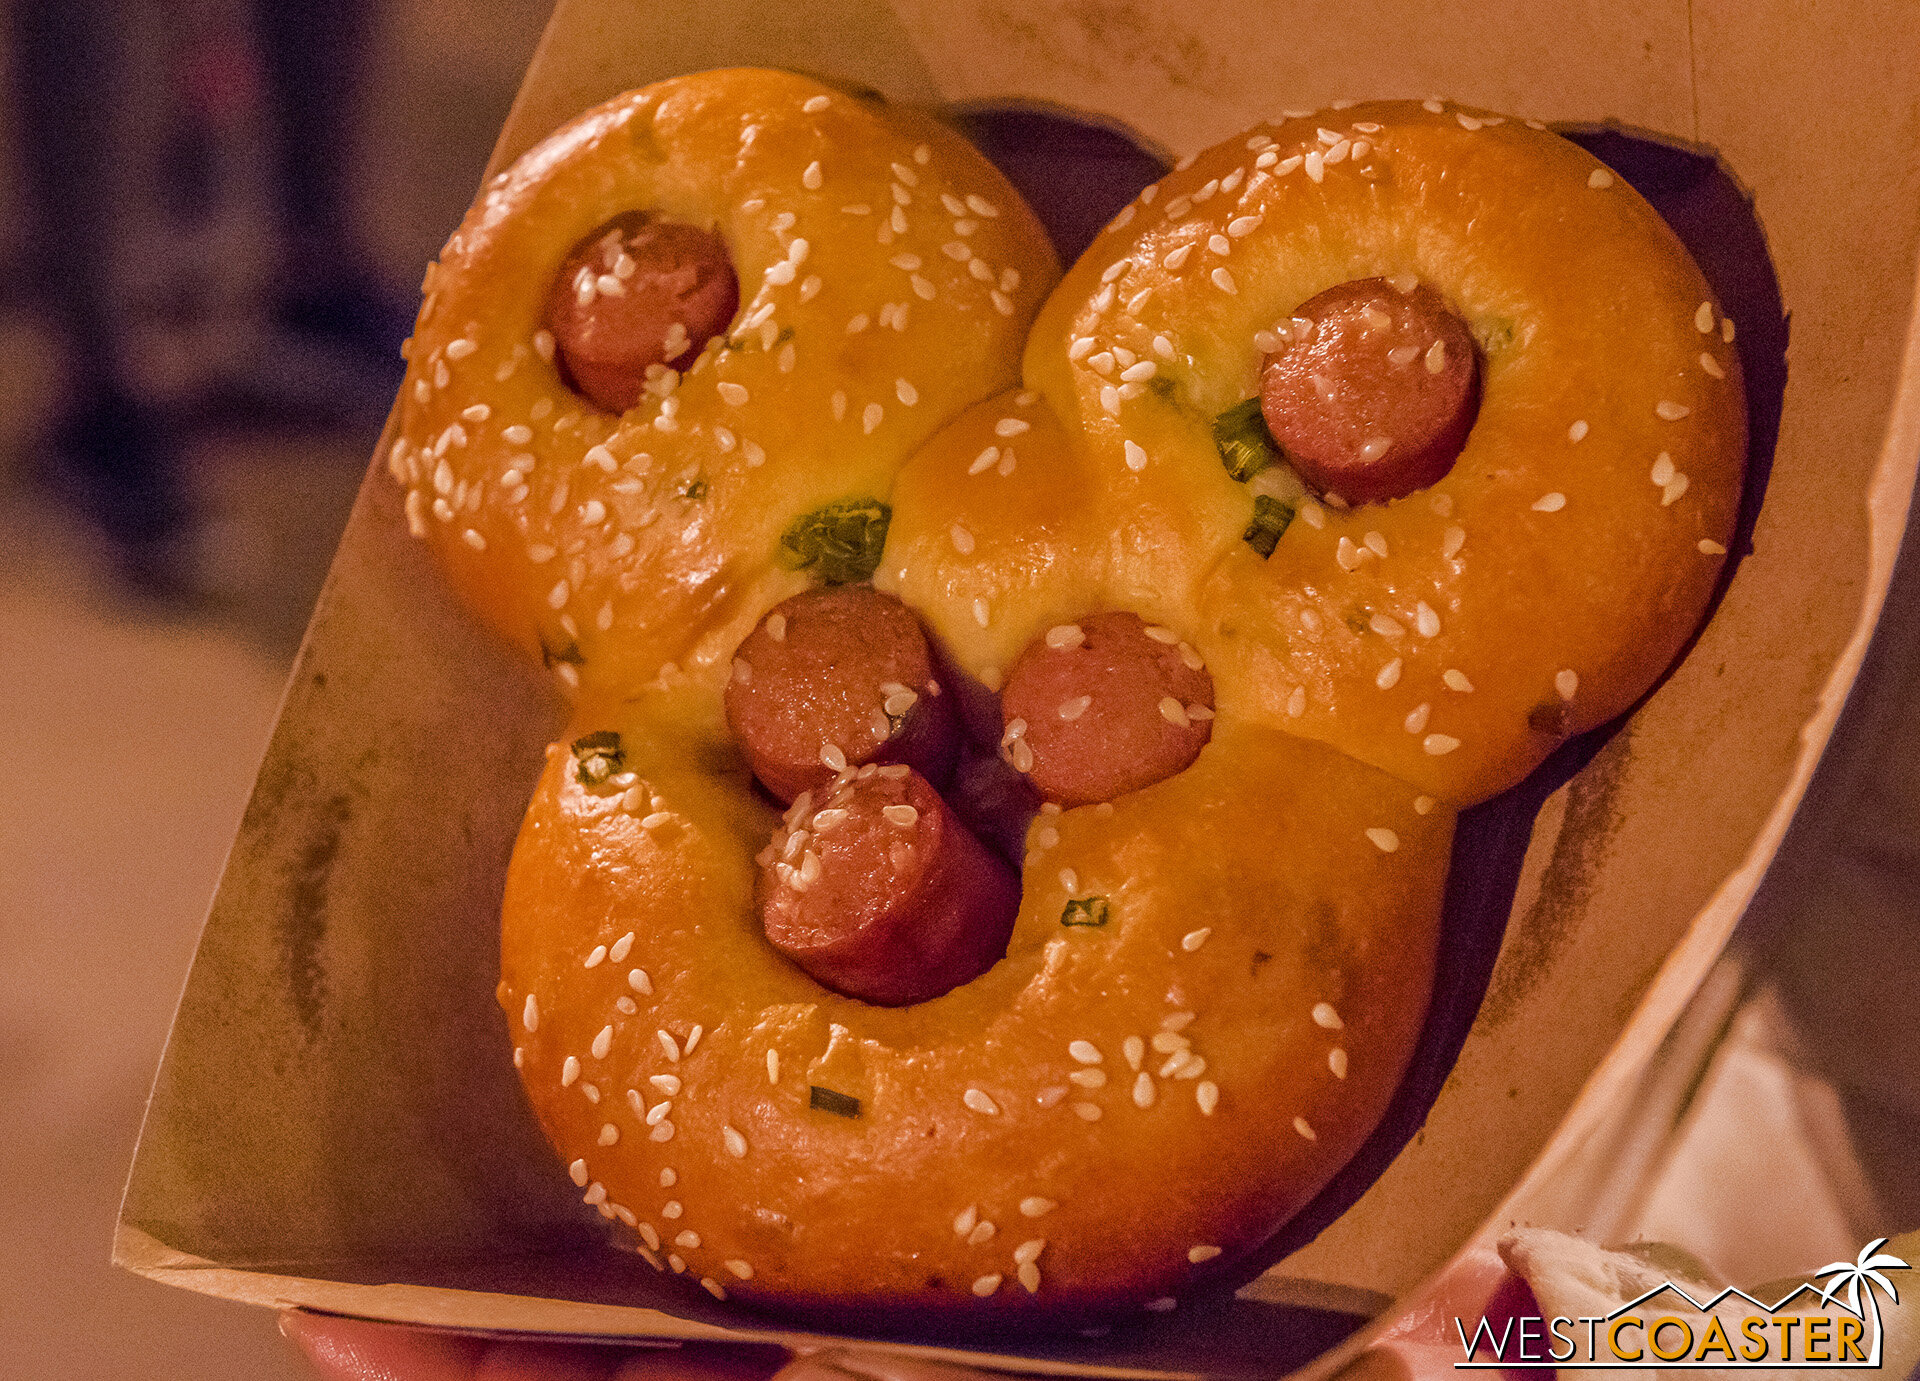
336, 1123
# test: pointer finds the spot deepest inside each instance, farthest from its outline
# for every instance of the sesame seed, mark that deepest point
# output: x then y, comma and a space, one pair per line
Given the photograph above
609, 1134
1300, 1126
1316, 165
668, 1045
530, 1014
1028, 1252
1173, 712
813, 105
739, 1268
1668, 411
1071, 710
736, 1144
1599, 179
1193, 939
1010, 426
1223, 280
1036, 1207
1566, 682
1030, 1278
987, 1284
1703, 319
671, 1209
1709, 547
667, 1084
773, 1066
655, 820
1219, 244
1711, 366
519, 434
596, 1193
1438, 744
1297, 702
1577, 432
649, 1236
1135, 1050
982, 1232
1163, 1304
978, 1100
713, 1287
1199, 1254
637, 980
981, 615
602, 1043
1144, 1091
1065, 635
1386, 841
1386, 626
870, 417
1550, 503
1087, 1112
1451, 541
1436, 357
1110, 399
1088, 1078
1207, 1094
1423, 805
1455, 680
1069, 879
903, 816
1337, 1062
557, 597
569, 1071
1001, 302
811, 178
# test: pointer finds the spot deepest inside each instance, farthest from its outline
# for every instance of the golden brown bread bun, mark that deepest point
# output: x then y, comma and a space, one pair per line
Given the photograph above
1148, 1081
1456, 636
887, 274
1214, 982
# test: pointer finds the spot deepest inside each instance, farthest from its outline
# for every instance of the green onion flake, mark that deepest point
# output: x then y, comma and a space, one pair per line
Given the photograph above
1270, 519
597, 756
840, 542
829, 1100
1246, 446
1086, 911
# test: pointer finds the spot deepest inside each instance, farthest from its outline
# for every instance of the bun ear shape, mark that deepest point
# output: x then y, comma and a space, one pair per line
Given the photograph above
995, 869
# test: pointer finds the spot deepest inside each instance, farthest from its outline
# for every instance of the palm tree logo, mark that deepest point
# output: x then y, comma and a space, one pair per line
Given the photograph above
1848, 1275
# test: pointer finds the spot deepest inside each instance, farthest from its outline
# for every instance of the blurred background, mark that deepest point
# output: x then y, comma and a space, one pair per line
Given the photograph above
214, 215
213, 219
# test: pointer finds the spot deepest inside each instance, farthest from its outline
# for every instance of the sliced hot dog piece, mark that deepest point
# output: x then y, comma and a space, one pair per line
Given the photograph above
637, 293
1373, 390
879, 892
836, 677
1105, 706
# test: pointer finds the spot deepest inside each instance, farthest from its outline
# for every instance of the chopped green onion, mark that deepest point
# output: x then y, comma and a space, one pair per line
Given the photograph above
841, 542
1246, 446
597, 756
1270, 519
827, 1100
1086, 911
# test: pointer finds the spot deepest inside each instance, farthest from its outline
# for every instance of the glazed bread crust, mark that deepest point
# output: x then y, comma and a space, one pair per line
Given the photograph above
613, 545
1560, 566
1215, 983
